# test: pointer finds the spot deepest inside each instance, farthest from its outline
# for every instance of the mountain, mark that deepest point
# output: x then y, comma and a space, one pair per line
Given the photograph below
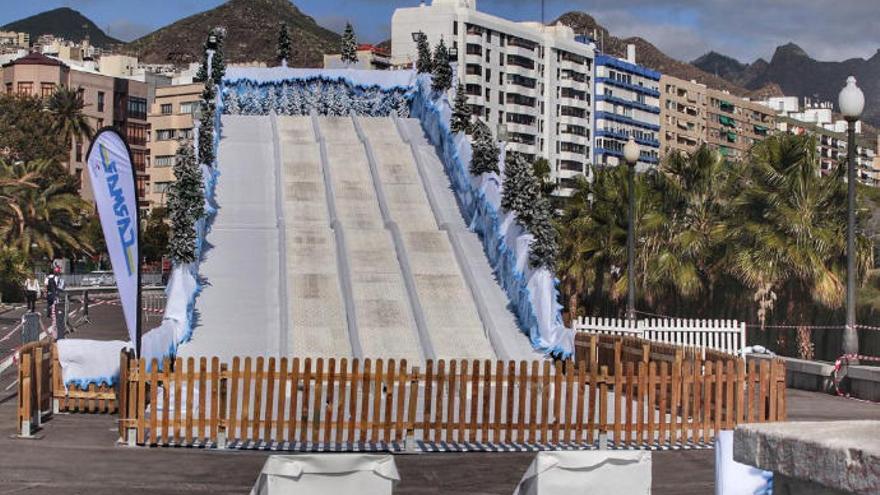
63, 22
251, 34
797, 74
646, 53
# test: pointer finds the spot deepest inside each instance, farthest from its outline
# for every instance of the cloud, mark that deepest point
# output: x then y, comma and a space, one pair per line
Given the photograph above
746, 29
126, 30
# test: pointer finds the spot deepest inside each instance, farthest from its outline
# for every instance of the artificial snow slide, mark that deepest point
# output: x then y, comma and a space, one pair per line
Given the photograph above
341, 237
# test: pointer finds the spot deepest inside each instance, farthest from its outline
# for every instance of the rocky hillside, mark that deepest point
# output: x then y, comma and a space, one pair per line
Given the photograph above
63, 22
798, 74
647, 54
252, 31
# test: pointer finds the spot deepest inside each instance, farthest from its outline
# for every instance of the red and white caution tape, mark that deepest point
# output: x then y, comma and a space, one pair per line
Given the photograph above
839, 364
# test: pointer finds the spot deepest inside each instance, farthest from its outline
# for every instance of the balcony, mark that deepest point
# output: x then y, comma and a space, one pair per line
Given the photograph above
475, 38
514, 108
572, 102
522, 128
512, 88
572, 156
522, 51
473, 79
573, 138
568, 119
521, 148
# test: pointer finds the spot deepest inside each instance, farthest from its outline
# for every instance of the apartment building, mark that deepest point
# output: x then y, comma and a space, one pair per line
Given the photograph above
832, 148
627, 105
733, 124
108, 101
533, 81
13, 39
811, 111
171, 119
368, 57
682, 115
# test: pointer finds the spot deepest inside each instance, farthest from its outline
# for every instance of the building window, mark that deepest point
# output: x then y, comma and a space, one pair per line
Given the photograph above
473, 90
100, 123
161, 187
474, 49
519, 118
100, 101
488, 75
9, 88
473, 69
79, 151
162, 161
521, 61
165, 109
455, 27
46, 89
166, 134
188, 107
138, 160
137, 108
25, 88
137, 134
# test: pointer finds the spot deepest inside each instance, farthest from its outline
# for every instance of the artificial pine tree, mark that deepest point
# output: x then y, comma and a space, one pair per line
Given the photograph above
424, 64
202, 73
231, 105
206, 124
283, 50
186, 205
519, 191
441, 71
484, 158
544, 246
461, 111
218, 63
349, 46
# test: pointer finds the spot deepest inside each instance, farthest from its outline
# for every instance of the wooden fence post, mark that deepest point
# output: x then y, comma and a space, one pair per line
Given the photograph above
409, 442
222, 423
132, 400
603, 409
25, 394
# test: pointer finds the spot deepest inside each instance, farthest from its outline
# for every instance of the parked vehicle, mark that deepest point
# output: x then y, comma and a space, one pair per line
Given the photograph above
101, 278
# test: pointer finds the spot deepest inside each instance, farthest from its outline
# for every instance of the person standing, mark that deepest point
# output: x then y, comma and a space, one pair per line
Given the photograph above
52, 281
32, 292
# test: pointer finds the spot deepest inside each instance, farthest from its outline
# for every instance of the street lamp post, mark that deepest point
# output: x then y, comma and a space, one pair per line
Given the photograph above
851, 102
631, 155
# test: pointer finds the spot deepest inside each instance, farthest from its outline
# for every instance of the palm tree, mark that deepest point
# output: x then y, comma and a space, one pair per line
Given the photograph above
790, 228
66, 107
689, 226
41, 213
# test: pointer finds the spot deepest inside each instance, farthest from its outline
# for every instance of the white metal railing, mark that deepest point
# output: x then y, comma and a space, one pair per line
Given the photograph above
721, 335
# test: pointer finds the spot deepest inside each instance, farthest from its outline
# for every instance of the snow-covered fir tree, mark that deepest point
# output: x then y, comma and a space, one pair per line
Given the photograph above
424, 63
441, 72
283, 49
231, 105
545, 245
461, 111
202, 73
218, 61
519, 191
294, 98
349, 46
485, 150
206, 123
186, 204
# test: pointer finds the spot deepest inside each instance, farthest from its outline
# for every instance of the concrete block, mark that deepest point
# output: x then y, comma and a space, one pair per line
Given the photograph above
840, 455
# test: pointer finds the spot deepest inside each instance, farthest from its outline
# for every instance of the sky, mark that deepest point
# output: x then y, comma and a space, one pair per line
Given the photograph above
684, 29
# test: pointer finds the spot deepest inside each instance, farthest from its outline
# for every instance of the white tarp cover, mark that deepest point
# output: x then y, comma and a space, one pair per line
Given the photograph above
89, 361
334, 474
112, 178
734, 478
588, 472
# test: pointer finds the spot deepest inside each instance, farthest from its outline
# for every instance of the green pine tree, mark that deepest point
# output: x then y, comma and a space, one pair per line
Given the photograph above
461, 111
349, 45
186, 205
218, 61
519, 192
208, 108
544, 247
424, 64
485, 151
202, 73
283, 50
441, 70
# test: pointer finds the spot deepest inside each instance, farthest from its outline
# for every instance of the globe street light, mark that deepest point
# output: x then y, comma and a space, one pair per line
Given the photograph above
851, 102
631, 155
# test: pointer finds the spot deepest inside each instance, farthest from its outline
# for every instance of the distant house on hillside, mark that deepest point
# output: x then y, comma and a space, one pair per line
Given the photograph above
369, 57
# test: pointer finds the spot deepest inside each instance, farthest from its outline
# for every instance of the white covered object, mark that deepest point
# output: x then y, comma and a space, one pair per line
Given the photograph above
334, 474
734, 478
588, 472
90, 361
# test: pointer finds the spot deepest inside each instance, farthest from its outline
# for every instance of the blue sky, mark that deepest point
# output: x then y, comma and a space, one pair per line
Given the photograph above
746, 29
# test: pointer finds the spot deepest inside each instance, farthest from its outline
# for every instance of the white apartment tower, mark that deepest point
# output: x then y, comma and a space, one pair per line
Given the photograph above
536, 80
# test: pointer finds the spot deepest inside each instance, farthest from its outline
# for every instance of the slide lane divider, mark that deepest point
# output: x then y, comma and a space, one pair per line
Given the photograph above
284, 338
397, 239
342, 266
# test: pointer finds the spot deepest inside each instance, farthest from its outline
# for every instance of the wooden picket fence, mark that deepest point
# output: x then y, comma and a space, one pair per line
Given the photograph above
303, 404
41, 391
